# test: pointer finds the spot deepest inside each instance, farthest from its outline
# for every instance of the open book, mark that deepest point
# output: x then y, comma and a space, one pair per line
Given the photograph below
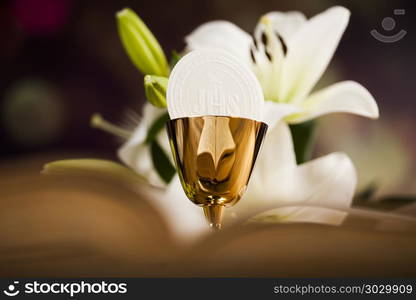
85, 224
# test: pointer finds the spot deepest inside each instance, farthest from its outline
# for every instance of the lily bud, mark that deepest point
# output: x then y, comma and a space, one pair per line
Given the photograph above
140, 44
155, 89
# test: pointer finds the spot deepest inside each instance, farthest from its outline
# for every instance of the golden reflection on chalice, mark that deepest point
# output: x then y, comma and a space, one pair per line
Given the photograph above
214, 156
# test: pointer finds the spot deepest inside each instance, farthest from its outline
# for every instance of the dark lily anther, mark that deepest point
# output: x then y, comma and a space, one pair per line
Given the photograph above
264, 38
282, 42
252, 55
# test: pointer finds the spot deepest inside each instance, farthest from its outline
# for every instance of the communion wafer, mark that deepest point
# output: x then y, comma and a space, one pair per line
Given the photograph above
211, 82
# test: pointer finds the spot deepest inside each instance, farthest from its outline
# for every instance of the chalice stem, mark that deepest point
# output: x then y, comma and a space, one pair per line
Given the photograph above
213, 214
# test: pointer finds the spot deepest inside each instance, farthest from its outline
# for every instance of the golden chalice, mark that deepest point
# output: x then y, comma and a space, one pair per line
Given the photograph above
214, 156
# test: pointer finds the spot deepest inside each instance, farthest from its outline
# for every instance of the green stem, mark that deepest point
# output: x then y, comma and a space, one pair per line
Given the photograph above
303, 136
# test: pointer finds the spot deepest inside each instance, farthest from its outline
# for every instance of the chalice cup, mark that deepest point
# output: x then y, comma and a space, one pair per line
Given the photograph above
214, 157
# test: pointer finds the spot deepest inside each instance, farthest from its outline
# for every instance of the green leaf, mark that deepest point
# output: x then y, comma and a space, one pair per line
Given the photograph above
366, 194
161, 162
156, 127
394, 202
365, 198
388, 203
92, 167
303, 135
174, 58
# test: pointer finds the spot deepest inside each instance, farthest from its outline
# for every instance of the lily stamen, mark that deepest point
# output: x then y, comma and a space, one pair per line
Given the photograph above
268, 55
254, 42
282, 43
253, 58
264, 39
97, 121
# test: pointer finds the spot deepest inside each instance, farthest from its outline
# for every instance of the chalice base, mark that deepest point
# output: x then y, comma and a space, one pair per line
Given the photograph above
213, 215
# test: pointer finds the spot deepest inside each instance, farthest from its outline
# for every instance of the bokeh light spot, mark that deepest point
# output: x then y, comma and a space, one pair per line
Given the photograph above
33, 113
42, 17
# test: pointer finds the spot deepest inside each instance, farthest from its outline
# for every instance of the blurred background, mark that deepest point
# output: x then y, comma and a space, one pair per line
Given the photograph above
62, 60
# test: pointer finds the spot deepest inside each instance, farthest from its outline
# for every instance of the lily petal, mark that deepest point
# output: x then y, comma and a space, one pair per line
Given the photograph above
136, 154
274, 168
328, 181
274, 112
311, 49
347, 97
222, 35
271, 34
286, 24
185, 219
269, 48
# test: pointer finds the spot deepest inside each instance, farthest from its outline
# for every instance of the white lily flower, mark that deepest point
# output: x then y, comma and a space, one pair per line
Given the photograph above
289, 54
317, 191
277, 180
136, 153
